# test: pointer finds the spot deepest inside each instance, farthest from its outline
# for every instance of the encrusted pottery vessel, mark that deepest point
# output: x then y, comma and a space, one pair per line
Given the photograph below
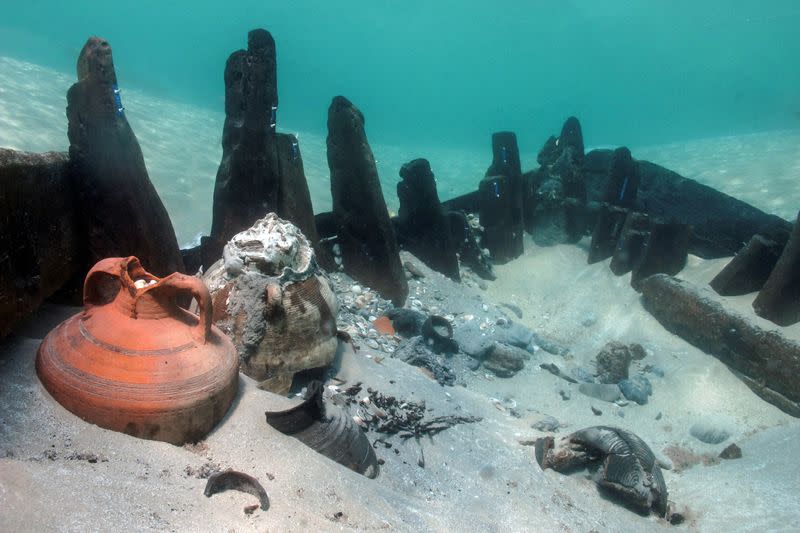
275, 302
134, 361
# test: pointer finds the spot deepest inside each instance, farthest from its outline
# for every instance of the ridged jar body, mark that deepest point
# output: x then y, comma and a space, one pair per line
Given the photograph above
275, 302
137, 363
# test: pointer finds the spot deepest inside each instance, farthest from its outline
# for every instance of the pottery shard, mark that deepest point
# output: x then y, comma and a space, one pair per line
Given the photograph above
39, 232
121, 211
766, 361
370, 252
275, 302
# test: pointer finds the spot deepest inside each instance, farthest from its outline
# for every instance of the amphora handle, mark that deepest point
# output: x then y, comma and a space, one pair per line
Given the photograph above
126, 269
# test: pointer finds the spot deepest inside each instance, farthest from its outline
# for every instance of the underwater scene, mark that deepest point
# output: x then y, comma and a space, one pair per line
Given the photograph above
418, 266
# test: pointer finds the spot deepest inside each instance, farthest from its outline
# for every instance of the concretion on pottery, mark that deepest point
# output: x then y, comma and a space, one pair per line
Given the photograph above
133, 361
628, 466
275, 302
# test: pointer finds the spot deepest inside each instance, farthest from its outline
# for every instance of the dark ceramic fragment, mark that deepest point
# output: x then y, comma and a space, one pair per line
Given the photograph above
627, 466
232, 480
334, 435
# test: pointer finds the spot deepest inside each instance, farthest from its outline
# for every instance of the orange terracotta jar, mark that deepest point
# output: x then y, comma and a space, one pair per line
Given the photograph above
134, 361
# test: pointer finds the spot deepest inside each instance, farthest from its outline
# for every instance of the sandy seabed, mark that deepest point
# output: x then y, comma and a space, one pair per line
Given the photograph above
479, 476
60, 473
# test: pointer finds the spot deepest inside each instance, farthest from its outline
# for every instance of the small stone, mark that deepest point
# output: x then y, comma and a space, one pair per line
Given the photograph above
731, 452
504, 360
565, 394
655, 370
548, 423
372, 343
355, 289
659, 415
601, 391
596, 411
637, 389
708, 433
582, 375
637, 351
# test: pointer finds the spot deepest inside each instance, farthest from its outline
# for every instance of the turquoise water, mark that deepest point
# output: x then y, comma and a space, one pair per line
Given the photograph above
708, 88
448, 73
709, 91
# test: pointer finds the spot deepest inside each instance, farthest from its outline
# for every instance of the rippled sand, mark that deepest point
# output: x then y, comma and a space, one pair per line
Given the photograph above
181, 146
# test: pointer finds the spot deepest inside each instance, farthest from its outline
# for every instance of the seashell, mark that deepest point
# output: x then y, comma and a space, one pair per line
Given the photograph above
275, 302
629, 467
377, 411
335, 435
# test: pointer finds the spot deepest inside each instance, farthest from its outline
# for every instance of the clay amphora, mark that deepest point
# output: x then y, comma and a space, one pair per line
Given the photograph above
134, 361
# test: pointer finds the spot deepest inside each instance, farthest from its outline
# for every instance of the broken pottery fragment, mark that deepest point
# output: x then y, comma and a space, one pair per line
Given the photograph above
332, 433
628, 466
275, 302
232, 480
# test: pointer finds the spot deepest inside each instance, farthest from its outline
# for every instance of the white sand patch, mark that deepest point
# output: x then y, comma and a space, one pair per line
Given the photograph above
556, 290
